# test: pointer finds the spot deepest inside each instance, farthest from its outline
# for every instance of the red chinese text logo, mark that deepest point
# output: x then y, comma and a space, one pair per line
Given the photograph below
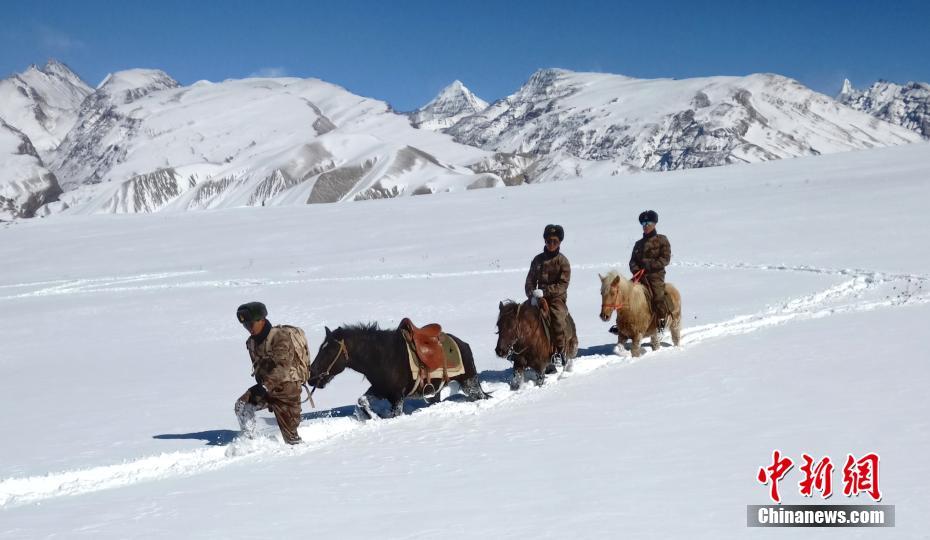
859, 476
774, 472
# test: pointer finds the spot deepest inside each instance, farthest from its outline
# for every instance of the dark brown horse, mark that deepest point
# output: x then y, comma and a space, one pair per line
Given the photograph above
381, 356
522, 338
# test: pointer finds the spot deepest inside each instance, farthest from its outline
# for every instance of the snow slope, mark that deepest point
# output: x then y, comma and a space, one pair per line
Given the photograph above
805, 295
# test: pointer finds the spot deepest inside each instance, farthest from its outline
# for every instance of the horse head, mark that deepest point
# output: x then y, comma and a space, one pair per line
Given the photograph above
507, 328
611, 294
331, 360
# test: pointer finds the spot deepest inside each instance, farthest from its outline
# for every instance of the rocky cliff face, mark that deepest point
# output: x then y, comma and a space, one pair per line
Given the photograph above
906, 105
103, 127
25, 185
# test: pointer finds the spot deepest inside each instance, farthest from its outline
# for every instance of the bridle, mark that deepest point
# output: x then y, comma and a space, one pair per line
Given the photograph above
618, 303
517, 337
342, 350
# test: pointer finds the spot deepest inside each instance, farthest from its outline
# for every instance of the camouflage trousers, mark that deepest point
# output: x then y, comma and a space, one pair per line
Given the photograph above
283, 400
659, 300
558, 321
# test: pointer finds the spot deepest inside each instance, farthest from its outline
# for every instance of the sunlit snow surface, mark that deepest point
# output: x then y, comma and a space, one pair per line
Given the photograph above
805, 291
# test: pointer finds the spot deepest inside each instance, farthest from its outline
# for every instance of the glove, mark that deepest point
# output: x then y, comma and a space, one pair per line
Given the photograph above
538, 293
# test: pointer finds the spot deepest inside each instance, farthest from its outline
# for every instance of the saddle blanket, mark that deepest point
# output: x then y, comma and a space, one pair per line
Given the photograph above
451, 353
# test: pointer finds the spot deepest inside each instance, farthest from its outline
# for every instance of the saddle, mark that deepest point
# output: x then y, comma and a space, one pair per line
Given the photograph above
425, 342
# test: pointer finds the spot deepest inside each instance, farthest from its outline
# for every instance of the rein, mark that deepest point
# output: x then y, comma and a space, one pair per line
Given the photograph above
517, 337
342, 350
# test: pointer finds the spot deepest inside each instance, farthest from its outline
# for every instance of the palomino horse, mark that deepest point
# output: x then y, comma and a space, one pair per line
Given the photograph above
523, 339
381, 356
634, 314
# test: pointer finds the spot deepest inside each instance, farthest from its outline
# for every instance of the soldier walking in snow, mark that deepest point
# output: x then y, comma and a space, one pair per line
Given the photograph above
280, 365
548, 278
652, 253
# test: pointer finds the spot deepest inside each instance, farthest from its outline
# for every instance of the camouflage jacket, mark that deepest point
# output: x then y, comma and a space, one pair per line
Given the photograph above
653, 253
551, 274
274, 359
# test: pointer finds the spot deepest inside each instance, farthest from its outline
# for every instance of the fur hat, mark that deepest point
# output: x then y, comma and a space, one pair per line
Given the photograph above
554, 230
251, 312
649, 215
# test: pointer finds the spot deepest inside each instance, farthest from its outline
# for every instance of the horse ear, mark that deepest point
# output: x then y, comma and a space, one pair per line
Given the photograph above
616, 281
328, 331
600, 276
500, 305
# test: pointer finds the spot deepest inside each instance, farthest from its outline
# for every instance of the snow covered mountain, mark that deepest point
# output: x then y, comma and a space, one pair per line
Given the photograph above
140, 142
43, 103
571, 119
144, 144
452, 104
905, 105
25, 184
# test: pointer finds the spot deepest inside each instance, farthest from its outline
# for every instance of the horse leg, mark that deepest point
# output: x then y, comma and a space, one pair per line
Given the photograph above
397, 407
634, 349
676, 330
364, 411
517, 380
472, 389
540, 376
654, 341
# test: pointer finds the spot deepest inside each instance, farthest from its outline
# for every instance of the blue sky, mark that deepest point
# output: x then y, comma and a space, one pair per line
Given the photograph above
405, 51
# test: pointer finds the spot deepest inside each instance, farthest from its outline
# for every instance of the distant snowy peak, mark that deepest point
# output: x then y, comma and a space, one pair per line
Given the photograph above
572, 119
127, 86
452, 104
43, 103
905, 105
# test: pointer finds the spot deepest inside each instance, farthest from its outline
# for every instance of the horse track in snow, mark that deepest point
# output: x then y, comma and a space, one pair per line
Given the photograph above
859, 291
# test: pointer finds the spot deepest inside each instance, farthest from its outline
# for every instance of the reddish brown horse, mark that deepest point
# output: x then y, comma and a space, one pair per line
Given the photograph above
523, 339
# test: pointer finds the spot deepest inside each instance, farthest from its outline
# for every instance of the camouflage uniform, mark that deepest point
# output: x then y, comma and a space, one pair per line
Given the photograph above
278, 389
653, 253
551, 272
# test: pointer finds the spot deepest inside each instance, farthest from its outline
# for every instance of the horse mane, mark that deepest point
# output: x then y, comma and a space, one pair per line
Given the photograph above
362, 326
608, 279
365, 330
509, 305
